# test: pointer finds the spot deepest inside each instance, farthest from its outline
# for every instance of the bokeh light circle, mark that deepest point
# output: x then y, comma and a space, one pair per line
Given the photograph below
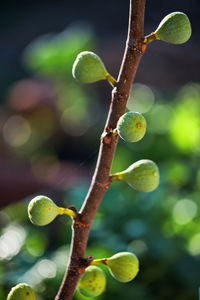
16, 131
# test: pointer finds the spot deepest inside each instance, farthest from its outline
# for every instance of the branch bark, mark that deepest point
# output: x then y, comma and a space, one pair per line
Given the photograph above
101, 180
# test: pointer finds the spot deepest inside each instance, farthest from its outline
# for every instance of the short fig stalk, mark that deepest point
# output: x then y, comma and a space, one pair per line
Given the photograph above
88, 68
175, 28
42, 211
142, 175
123, 266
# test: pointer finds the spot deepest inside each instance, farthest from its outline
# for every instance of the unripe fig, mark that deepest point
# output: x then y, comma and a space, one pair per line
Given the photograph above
93, 282
88, 68
22, 291
42, 210
142, 175
131, 126
175, 28
123, 266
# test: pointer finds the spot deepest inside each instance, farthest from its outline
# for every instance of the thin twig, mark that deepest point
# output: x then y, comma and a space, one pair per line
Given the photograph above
101, 180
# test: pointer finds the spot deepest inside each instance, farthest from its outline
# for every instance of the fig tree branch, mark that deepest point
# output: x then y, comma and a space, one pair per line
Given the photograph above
101, 179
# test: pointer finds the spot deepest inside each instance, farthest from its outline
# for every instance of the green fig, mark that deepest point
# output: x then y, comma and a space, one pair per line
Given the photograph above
123, 266
175, 28
88, 67
131, 126
42, 210
93, 282
22, 291
142, 175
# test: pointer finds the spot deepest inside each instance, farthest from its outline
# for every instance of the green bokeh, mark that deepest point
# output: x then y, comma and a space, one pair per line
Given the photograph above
149, 224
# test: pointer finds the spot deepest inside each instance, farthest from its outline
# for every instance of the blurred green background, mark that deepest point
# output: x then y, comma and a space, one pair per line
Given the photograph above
50, 127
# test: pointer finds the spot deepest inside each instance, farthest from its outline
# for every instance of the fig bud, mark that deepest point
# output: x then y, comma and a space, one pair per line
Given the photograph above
131, 126
22, 291
42, 210
93, 282
123, 266
88, 67
175, 28
142, 175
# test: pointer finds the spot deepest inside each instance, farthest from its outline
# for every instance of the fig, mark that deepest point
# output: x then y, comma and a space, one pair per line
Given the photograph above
88, 67
93, 282
42, 210
22, 291
123, 266
142, 175
131, 126
175, 28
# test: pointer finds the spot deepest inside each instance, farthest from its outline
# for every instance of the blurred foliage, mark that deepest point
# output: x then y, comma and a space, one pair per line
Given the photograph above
52, 100
53, 54
161, 227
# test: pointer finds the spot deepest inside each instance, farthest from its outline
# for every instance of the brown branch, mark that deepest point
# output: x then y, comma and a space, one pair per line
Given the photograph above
101, 181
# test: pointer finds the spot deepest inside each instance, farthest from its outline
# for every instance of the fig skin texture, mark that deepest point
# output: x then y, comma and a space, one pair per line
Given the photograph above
88, 67
22, 291
42, 210
131, 126
123, 266
175, 28
93, 282
142, 175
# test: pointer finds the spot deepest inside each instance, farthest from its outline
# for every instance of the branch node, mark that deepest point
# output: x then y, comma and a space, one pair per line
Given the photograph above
107, 136
106, 139
83, 263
